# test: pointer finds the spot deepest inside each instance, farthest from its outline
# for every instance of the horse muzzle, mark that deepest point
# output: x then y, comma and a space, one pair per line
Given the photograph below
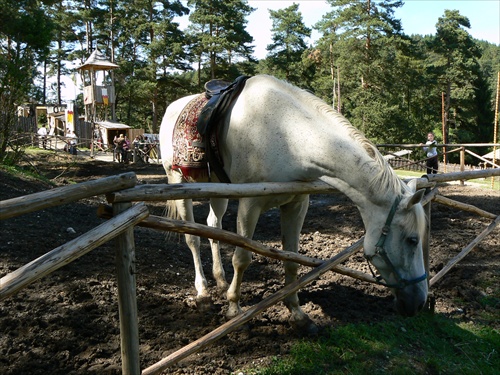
411, 299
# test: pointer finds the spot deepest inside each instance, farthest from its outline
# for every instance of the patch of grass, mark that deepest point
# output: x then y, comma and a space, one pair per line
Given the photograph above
427, 344
26, 173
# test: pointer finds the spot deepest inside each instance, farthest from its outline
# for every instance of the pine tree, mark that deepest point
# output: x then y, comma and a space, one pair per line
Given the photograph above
219, 34
62, 45
457, 70
367, 49
146, 43
284, 59
25, 35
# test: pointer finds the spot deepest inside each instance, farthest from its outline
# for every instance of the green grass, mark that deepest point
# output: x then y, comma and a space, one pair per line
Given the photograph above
25, 172
427, 344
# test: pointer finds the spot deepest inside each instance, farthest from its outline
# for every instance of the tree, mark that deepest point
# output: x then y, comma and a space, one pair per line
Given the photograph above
25, 34
327, 80
457, 71
61, 46
219, 34
284, 59
140, 37
367, 49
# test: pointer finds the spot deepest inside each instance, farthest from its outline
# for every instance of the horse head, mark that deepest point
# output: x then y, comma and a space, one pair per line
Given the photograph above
394, 247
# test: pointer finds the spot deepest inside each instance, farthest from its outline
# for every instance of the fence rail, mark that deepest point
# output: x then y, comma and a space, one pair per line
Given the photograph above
399, 162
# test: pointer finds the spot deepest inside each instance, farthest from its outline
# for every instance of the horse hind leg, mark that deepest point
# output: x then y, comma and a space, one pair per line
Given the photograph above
218, 207
292, 218
203, 299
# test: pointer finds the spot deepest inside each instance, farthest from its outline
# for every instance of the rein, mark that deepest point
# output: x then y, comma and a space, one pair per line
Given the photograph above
380, 251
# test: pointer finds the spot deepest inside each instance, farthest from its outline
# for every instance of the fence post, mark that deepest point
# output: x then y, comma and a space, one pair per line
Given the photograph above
462, 163
127, 299
427, 237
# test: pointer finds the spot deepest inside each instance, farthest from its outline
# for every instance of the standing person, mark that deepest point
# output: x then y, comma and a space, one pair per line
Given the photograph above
136, 141
126, 149
430, 149
98, 139
72, 141
119, 148
145, 148
42, 135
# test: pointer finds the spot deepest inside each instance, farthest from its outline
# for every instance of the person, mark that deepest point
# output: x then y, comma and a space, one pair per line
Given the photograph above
136, 141
118, 141
126, 149
72, 141
430, 149
145, 148
42, 135
98, 139
138, 148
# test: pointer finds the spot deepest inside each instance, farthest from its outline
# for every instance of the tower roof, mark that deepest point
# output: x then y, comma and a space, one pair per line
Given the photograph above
97, 61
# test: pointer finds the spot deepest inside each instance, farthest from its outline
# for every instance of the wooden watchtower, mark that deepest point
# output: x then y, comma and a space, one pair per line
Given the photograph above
99, 99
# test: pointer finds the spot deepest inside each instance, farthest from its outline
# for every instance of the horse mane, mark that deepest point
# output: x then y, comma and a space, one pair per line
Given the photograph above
386, 179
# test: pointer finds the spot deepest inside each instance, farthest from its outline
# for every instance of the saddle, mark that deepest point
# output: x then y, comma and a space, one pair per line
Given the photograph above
208, 110
220, 94
215, 86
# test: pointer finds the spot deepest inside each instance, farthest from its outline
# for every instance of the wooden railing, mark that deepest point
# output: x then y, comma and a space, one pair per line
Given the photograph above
122, 191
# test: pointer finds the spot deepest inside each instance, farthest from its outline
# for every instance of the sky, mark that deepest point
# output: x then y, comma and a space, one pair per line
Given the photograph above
417, 17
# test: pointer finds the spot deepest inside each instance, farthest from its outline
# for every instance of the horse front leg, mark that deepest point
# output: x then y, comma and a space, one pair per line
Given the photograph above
292, 219
218, 207
248, 215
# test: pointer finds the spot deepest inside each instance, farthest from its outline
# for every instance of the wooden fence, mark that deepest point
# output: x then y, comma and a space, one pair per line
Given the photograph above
407, 163
121, 191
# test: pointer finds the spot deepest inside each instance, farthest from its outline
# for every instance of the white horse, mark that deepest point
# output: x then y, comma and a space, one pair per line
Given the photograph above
276, 132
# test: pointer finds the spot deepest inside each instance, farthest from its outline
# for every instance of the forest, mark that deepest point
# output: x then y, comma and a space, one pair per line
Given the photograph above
393, 87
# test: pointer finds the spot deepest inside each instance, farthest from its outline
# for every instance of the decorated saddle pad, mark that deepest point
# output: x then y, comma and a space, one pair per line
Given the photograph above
188, 145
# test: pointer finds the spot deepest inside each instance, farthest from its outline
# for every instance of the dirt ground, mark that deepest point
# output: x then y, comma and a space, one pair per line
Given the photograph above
67, 323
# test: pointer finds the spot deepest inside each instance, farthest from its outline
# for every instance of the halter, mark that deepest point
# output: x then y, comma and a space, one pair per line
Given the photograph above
380, 251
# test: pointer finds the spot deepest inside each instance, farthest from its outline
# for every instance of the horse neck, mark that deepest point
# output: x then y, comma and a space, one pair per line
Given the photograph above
363, 179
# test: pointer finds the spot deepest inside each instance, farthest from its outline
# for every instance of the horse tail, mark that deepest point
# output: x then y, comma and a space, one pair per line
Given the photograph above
171, 212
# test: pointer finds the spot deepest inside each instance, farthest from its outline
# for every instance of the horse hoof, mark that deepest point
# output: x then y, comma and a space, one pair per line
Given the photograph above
233, 312
204, 303
305, 326
222, 289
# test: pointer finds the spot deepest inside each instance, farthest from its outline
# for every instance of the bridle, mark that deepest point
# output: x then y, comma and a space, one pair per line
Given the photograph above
380, 251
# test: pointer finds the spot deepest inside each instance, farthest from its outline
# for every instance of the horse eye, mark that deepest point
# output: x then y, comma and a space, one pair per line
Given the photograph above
412, 240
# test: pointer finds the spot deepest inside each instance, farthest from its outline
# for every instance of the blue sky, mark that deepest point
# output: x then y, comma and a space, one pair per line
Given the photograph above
417, 17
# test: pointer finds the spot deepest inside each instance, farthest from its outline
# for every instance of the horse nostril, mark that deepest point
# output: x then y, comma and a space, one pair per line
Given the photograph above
406, 308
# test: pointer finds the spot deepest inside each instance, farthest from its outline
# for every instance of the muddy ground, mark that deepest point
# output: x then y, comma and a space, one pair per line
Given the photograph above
67, 323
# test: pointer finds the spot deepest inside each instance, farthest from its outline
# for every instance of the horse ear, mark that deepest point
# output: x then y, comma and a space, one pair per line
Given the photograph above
412, 184
415, 199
